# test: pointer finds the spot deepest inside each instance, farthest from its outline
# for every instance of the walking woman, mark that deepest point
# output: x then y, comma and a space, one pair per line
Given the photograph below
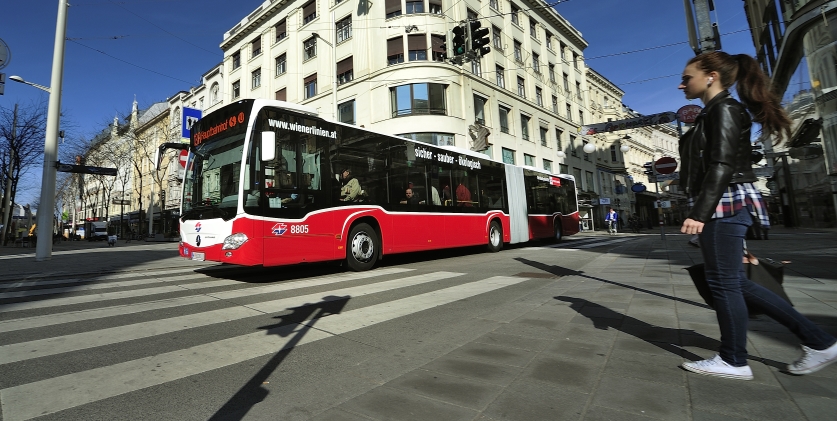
717, 177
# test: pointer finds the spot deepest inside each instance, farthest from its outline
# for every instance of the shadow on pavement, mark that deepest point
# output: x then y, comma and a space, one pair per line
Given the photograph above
291, 325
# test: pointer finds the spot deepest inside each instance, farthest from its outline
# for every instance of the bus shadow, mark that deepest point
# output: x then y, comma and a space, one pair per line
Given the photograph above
293, 326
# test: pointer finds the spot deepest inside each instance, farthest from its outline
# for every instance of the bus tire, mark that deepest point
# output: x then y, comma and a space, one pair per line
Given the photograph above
559, 231
495, 237
362, 248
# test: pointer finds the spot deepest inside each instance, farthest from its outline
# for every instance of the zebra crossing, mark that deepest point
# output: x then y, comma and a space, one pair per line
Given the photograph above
44, 321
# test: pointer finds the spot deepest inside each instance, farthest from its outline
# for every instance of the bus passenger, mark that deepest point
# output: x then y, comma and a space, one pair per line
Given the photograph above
446, 196
434, 196
463, 195
350, 187
411, 199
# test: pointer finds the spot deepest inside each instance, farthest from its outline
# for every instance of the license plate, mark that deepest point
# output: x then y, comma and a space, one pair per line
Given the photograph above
199, 256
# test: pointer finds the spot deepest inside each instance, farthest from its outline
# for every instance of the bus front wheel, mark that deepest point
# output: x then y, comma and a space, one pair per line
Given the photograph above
362, 247
559, 233
495, 237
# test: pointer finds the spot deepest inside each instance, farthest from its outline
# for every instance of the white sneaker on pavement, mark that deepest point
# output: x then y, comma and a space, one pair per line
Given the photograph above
719, 368
813, 360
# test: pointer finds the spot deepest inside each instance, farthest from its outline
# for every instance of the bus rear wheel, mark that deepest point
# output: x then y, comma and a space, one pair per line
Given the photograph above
559, 233
495, 237
362, 248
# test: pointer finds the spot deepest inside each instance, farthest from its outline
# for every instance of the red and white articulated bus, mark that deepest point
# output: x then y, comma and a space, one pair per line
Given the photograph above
270, 183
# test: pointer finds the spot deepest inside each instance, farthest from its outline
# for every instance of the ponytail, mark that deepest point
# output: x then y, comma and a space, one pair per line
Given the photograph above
753, 89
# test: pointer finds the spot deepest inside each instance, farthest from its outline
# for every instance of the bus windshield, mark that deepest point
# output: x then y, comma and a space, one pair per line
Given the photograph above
211, 180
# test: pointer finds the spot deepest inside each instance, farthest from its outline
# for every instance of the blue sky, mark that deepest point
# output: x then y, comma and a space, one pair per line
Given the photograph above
155, 48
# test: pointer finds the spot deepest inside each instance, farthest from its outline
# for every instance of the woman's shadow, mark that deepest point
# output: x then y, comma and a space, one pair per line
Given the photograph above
672, 340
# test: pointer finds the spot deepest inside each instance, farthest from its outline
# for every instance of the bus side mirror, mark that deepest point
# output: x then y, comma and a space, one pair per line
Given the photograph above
268, 146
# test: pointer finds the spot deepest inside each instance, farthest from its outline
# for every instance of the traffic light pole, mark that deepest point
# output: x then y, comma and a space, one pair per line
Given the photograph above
660, 211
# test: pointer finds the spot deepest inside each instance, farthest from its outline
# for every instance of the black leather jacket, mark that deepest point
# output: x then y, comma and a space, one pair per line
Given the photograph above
715, 153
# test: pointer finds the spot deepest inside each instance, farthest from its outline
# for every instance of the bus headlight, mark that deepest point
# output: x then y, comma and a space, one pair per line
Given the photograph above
233, 242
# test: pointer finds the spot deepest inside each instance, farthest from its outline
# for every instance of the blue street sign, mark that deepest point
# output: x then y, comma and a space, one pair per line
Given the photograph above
190, 116
638, 187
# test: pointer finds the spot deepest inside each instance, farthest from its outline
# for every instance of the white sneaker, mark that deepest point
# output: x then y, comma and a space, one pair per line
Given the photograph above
717, 367
813, 360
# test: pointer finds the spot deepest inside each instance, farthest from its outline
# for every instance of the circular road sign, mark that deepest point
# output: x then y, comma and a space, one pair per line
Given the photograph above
5, 54
638, 187
688, 113
183, 155
665, 165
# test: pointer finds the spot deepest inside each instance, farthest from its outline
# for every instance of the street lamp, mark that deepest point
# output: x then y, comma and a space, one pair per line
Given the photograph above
625, 148
20, 80
561, 154
43, 250
589, 147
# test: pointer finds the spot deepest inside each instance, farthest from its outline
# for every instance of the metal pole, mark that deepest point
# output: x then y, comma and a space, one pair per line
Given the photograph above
791, 195
43, 250
660, 211
150, 214
706, 36
7, 199
334, 60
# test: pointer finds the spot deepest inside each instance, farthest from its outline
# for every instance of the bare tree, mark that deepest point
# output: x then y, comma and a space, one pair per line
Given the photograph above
22, 142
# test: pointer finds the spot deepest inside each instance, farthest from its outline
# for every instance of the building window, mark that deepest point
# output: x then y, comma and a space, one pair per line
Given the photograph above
501, 79
547, 165
346, 112
554, 104
344, 29
436, 7
548, 36
524, 127
566, 84
581, 117
508, 156
590, 185
310, 86
558, 134
236, 89
551, 72
504, 119
569, 112
438, 139
497, 38
573, 151
281, 30
476, 67
282, 94
395, 51
393, 8
515, 11
345, 71
417, 45
539, 96
533, 28
578, 90
536, 63
494, 4
479, 109
256, 78
418, 98
528, 160
575, 60
309, 12
521, 87
561, 51
586, 155
256, 47
281, 64
543, 136
563, 169
309, 48
518, 52
613, 156
236, 60
415, 7
436, 42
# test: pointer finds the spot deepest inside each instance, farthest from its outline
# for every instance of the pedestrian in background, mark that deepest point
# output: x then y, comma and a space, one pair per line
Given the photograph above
717, 177
611, 220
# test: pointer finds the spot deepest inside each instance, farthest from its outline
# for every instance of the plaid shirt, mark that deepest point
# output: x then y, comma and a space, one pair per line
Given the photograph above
738, 196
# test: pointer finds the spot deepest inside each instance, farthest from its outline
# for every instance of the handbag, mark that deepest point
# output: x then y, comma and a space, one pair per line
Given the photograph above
763, 271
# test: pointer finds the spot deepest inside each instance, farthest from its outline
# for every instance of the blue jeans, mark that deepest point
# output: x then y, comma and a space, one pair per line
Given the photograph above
722, 245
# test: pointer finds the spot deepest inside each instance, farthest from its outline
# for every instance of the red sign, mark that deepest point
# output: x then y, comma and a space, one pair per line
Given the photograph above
665, 165
688, 113
555, 181
183, 155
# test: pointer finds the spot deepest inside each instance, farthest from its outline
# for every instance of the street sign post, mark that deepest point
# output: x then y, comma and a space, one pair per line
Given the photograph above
190, 116
665, 165
83, 169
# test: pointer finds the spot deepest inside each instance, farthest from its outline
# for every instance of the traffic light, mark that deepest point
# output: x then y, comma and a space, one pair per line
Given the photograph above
460, 40
163, 196
479, 38
649, 169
